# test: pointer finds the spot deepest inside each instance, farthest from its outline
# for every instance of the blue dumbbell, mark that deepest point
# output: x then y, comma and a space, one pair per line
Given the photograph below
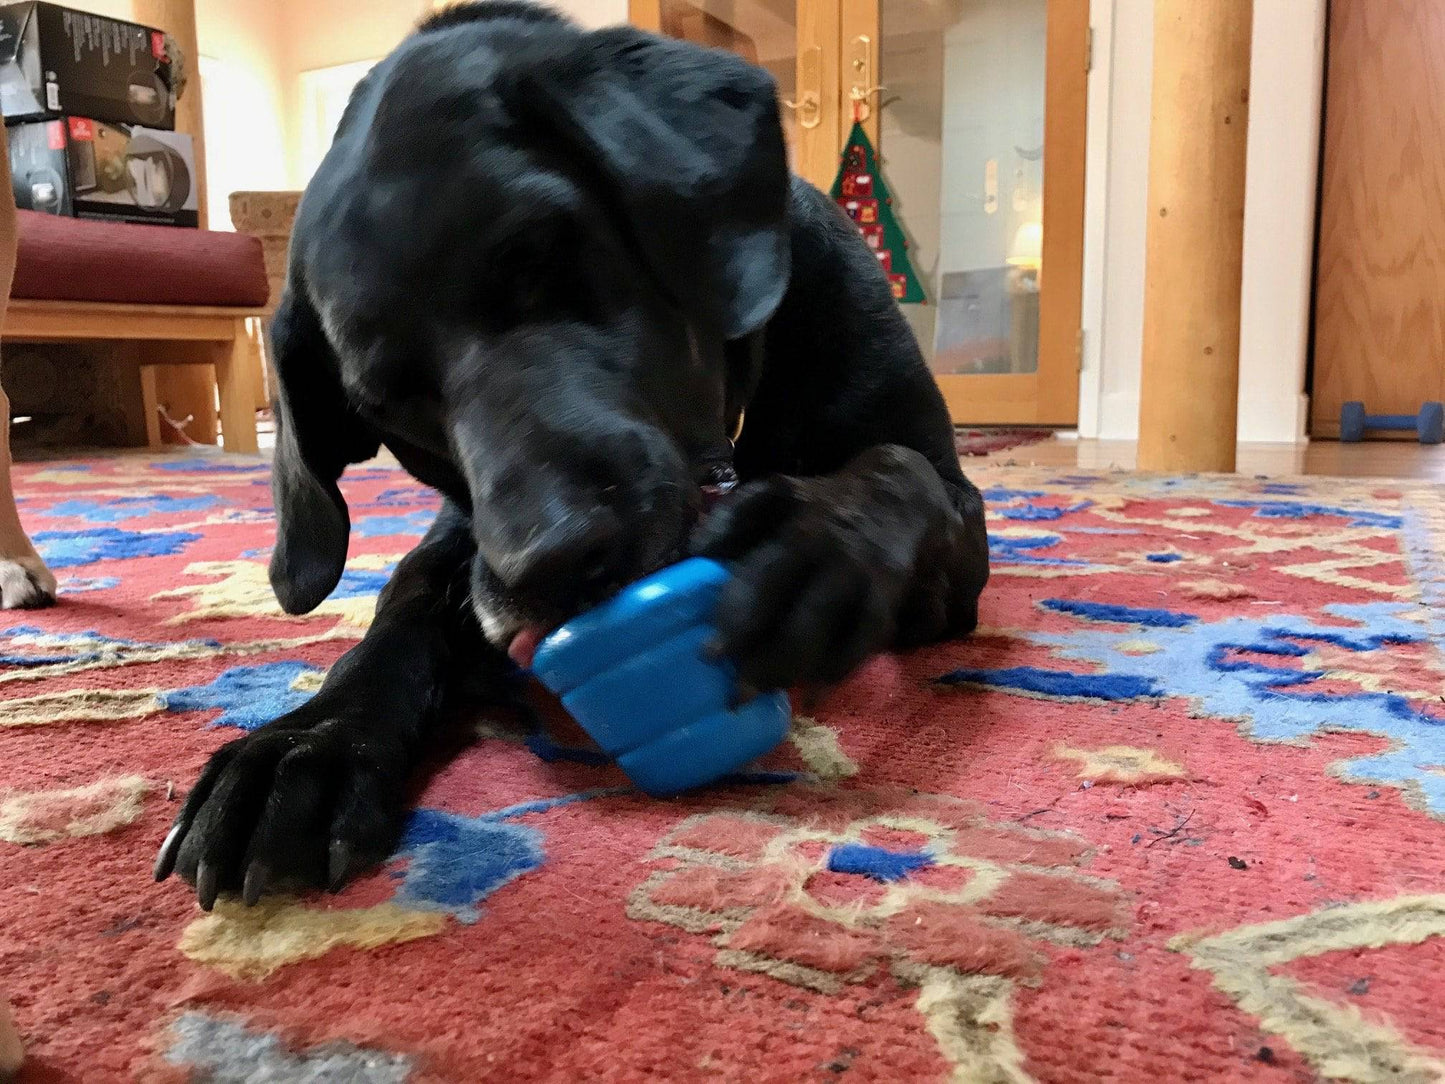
1429, 424
634, 673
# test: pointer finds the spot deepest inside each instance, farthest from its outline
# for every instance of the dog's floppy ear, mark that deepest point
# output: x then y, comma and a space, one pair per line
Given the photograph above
691, 153
317, 435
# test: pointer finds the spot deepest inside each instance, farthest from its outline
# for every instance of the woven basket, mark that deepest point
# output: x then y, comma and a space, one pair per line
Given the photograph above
269, 217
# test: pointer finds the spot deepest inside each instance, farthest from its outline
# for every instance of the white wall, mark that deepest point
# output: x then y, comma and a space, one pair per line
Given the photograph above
594, 12
1286, 77
244, 102
1118, 323
1286, 81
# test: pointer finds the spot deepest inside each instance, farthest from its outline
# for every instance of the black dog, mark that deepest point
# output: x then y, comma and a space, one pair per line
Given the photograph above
554, 271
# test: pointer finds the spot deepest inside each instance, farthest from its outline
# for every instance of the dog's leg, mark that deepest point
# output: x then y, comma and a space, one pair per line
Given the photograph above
25, 582
855, 529
12, 1052
320, 794
885, 552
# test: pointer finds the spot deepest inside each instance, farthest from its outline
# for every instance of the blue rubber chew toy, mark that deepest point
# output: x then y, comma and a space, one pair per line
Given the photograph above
633, 673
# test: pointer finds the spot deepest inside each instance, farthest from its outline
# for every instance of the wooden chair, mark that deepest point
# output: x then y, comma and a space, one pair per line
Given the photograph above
147, 336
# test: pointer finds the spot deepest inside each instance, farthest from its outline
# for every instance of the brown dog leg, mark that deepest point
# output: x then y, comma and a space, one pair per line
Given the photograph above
11, 1052
25, 582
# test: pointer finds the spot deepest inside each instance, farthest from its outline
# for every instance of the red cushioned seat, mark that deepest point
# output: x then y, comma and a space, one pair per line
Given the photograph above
73, 259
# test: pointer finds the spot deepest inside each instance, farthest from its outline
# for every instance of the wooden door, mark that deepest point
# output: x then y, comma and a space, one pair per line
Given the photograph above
1380, 271
978, 115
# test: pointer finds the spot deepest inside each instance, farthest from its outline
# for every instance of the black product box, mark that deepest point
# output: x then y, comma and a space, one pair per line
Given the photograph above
81, 167
57, 61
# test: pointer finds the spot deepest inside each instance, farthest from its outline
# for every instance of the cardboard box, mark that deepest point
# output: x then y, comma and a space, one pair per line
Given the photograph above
81, 167
55, 61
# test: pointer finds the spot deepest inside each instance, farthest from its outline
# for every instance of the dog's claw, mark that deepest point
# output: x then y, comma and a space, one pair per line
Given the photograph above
255, 884
339, 866
208, 885
166, 856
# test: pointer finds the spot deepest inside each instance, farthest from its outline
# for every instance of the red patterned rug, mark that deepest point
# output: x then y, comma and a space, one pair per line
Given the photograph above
987, 441
1176, 813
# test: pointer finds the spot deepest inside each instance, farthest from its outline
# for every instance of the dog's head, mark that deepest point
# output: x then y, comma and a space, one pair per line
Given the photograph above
517, 268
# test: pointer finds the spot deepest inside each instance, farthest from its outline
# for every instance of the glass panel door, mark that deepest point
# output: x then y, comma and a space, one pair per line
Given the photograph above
979, 125
977, 111
962, 127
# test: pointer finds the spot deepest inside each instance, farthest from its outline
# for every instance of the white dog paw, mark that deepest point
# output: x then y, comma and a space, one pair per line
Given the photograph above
25, 583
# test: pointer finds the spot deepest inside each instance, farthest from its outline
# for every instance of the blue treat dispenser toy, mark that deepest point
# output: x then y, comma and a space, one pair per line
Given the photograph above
634, 675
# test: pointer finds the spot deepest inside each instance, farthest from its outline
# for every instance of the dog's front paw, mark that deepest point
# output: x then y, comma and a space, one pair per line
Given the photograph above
25, 583
817, 583
310, 798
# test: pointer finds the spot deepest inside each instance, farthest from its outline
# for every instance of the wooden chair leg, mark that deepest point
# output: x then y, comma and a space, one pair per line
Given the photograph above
236, 363
265, 381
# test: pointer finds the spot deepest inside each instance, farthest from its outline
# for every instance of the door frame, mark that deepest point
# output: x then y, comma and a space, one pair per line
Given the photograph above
1050, 395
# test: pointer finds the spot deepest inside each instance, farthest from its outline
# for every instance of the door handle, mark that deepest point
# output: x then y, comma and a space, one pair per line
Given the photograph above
809, 105
863, 89
860, 96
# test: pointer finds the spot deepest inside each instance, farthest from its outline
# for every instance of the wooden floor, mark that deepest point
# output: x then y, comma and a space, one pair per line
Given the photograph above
1371, 459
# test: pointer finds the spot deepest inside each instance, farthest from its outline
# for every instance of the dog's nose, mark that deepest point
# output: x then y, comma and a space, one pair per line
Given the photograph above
576, 555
